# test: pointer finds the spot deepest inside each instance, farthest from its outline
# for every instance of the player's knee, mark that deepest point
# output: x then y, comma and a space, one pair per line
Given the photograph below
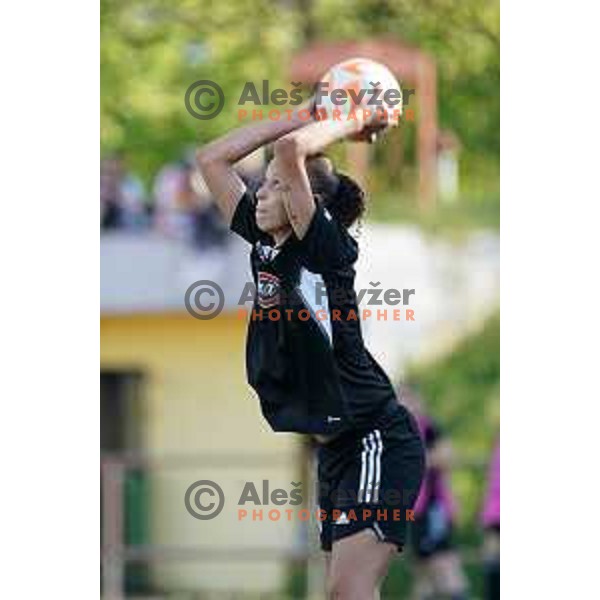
334, 586
352, 586
448, 575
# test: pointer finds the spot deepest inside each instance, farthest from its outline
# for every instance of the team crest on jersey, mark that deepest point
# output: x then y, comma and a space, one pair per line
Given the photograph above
269, 290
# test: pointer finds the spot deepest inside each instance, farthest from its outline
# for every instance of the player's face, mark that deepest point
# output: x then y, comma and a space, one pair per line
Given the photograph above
271, 215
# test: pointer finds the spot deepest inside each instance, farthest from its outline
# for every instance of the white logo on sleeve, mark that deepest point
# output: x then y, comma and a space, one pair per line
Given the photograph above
342, 519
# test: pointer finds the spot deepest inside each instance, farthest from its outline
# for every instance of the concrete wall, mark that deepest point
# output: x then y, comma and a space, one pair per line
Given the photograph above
196, 403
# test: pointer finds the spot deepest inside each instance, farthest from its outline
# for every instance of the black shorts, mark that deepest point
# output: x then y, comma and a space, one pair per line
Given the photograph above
370, 479
431, 533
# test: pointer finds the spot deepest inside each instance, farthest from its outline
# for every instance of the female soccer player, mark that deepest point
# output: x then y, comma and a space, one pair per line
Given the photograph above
305, 354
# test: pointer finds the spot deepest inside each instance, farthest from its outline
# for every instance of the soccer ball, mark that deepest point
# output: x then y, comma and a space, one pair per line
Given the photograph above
359, 88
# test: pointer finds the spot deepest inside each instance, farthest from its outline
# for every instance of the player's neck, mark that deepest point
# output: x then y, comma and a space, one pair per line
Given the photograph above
281, 235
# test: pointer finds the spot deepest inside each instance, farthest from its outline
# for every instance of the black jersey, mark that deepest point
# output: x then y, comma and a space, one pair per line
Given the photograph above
305, 354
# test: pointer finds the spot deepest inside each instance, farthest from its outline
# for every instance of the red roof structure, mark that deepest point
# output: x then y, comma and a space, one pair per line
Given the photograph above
413, 68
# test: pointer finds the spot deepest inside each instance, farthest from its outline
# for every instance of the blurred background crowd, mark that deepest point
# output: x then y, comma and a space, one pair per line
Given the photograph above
178, 205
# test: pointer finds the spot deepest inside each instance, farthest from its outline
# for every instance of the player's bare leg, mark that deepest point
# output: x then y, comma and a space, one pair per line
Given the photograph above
358, 564
447, 575
422, 586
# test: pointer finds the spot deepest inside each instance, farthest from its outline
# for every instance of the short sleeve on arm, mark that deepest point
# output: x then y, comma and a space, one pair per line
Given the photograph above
243, 221
327, 245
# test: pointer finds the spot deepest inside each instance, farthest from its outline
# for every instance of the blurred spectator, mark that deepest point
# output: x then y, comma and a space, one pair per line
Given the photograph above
438, 569
210, 230
122, 196
171, 202
182, 204
491, 523
448, 150
184, 209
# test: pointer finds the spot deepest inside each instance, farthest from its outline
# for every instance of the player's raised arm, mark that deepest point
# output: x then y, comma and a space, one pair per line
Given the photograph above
217, 158
291, 152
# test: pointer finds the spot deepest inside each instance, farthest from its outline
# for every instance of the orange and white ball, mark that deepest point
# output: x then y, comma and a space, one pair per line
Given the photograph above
358, 85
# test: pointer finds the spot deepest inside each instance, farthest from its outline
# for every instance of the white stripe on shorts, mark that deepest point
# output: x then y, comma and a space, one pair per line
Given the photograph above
363, 471
370, 472
377, 466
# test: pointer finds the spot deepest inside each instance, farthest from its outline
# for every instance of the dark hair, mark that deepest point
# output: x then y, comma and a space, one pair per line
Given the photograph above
340, 194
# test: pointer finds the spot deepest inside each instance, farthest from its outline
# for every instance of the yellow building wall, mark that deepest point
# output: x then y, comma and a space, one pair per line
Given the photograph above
196, 402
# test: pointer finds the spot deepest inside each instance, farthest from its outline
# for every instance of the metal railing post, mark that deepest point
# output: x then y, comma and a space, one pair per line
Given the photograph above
113, 558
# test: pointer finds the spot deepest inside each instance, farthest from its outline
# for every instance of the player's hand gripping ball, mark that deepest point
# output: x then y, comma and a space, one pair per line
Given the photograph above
363, 89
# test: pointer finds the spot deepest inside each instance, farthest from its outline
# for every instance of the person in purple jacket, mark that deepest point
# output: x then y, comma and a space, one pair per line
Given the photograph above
490, 518
438, 568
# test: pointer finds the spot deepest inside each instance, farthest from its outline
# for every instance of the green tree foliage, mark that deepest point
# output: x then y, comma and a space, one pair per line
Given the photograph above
152, 50
462, 391
462, 387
